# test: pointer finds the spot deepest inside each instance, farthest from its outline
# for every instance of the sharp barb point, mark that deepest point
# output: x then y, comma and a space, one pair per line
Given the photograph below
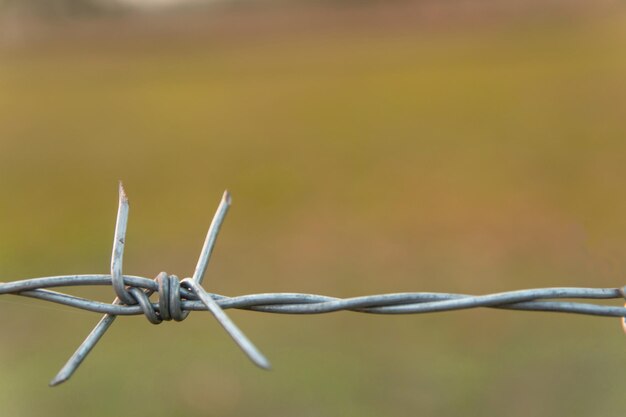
58, 380
122, 193
211, 238
227, 197
253, 353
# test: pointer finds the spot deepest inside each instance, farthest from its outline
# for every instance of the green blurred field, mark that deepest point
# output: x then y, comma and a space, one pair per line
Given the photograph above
465, 160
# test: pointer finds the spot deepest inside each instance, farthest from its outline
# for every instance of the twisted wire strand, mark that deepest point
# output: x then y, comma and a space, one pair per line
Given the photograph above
538, 299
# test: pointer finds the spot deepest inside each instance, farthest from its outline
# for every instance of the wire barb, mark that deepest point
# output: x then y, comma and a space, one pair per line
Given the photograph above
169, 305
176, 299
119, 240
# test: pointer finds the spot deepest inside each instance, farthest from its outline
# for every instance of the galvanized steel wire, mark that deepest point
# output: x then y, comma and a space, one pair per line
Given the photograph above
176, 298
538, 299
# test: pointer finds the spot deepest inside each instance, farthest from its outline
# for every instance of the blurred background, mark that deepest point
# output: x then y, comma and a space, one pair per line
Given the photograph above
370, 147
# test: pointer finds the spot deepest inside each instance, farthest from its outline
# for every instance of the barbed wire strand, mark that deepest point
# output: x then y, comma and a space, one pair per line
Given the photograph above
177, 298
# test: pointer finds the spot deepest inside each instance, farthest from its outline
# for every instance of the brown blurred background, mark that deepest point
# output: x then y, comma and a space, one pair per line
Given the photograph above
370, 147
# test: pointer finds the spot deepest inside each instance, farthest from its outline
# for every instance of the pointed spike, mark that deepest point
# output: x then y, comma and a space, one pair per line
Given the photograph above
83, 350
231, 328
227, 198
122, 193
57, 380
211, 237
119, 240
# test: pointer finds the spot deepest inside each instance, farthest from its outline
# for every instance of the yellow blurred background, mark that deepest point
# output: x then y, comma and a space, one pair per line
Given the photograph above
370, 148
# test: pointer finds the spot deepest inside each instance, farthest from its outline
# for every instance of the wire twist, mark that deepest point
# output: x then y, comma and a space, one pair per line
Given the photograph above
176, 298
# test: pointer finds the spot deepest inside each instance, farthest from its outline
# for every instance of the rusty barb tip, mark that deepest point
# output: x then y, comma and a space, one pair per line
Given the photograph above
122, 192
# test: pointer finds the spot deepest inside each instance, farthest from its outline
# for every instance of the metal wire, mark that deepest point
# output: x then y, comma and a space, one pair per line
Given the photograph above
538, 299
176, 299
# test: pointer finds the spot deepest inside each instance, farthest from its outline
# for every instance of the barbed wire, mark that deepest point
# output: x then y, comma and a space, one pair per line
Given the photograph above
177, 298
